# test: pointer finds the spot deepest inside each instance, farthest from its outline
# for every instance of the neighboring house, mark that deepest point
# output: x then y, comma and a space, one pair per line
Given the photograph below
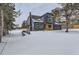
74, 22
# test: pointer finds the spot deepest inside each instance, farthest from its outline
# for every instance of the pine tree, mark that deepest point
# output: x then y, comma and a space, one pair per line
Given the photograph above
9, 15
24, 25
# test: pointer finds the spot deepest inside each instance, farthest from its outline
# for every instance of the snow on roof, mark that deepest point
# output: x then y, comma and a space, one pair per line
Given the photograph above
38, 20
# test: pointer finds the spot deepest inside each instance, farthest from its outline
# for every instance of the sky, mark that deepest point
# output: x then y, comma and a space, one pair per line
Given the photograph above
34, 8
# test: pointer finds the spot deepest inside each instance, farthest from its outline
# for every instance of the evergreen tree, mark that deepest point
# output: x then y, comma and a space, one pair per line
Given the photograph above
9, 15
24, 25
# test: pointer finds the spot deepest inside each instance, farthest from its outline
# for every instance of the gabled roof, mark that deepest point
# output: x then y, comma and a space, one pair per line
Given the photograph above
35, 17
46, 14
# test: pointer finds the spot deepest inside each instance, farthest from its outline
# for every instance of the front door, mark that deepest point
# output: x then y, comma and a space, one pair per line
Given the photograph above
48, 26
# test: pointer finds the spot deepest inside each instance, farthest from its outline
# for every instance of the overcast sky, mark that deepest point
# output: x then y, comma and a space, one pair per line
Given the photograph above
35, 8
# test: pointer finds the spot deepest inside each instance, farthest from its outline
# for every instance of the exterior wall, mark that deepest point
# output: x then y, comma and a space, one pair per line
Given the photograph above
32, 25
57, 27
38, 26
72, 25
36, 21
47, 18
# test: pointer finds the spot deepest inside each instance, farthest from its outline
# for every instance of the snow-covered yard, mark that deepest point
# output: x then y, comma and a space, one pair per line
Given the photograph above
55, 42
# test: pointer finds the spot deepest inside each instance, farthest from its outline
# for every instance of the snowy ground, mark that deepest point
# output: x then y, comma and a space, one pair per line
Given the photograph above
55, 42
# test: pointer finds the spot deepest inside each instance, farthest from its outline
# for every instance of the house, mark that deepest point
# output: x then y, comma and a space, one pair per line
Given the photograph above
44, 22
73, 22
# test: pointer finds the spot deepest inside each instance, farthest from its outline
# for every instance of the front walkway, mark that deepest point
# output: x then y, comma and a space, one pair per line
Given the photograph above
42, 43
